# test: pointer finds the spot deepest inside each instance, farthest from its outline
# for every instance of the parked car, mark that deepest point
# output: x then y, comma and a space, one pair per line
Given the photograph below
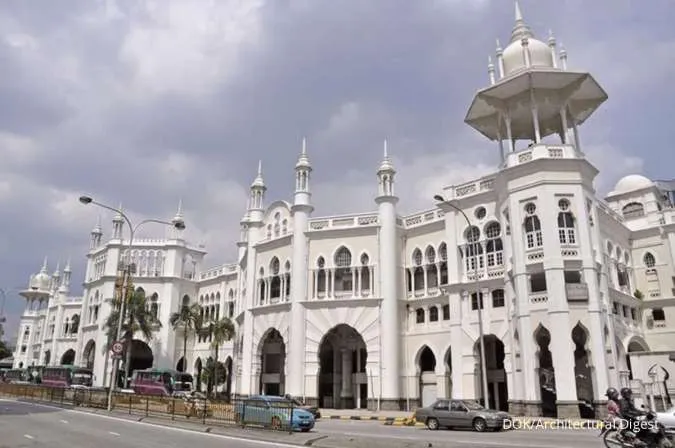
273, 411
446, 413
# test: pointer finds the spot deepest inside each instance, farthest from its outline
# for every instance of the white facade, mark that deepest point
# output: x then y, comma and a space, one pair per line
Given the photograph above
571, 283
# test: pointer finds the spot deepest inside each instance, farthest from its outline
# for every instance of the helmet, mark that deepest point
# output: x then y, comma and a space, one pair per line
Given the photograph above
626, 393
612, 393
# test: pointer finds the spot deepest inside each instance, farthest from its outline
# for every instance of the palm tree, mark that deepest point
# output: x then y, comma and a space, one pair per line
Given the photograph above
189, 318
221, 331
137, 318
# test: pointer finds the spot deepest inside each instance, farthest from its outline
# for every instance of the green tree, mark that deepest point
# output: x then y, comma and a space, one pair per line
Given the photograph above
213, 374
137, 319
189, 319
4, 350
221, 331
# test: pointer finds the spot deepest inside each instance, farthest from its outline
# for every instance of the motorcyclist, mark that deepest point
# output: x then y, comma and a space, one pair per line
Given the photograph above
613, 409
629, 412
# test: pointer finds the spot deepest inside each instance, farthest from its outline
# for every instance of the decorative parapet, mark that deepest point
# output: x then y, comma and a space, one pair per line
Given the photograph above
218, 271
344, 222
424, 217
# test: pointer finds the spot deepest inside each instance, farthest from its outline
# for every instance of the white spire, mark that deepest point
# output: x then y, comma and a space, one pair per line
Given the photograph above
520, 29
491, 70
303, 160
44, 266
97, 228
386, 165
259, 182
118, 216
57, 272
179, 211
67, 268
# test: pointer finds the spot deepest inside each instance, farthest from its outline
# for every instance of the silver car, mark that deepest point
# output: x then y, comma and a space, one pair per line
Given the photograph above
461, 414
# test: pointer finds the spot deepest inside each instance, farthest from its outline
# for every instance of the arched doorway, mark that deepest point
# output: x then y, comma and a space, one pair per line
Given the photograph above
582, 372
89, 354
48, 357
68, 358
498, 396
546, 373
141, 358
272, 363
180, 365
426, 373
342, 380
228, 375
634, 346
198, 374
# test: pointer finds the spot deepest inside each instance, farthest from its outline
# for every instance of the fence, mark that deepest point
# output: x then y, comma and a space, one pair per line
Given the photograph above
278, 415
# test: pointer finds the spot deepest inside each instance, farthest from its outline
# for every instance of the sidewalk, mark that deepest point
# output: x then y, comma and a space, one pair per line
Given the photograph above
403, 418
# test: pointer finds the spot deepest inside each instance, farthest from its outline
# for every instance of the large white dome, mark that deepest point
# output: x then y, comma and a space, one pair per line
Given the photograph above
632, 182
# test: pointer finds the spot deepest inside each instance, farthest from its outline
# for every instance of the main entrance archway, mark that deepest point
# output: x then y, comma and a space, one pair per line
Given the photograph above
498, 397
426, 371
342, 381
272, 363
141, 358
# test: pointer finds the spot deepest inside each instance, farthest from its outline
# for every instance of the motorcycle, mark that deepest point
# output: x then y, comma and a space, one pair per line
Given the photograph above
646, 432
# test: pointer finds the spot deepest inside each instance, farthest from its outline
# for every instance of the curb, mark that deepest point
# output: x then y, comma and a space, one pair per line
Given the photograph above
368, 418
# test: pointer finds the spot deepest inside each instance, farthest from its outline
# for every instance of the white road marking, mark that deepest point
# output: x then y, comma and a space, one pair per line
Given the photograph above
171, 428
113, 433
28, 436
65, 422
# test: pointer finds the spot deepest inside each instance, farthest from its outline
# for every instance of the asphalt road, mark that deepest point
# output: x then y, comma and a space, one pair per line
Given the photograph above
25, 425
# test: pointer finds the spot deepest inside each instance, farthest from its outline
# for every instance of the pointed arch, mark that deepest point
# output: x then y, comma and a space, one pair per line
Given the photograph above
344, 276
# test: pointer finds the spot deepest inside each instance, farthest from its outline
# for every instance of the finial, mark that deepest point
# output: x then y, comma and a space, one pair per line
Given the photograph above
499, 47
491, 66
551, 38
58, 268
304, 146
179, 212
385, 153
67, 268
44, 265
519, 14
260, 168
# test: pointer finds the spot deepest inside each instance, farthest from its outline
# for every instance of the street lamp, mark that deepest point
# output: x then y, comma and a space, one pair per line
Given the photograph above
479, 299
128, 268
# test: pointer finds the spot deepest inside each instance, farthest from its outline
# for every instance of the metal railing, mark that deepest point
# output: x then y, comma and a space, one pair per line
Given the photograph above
243, 412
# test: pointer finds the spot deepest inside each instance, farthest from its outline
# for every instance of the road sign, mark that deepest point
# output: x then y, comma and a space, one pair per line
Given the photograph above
117, 348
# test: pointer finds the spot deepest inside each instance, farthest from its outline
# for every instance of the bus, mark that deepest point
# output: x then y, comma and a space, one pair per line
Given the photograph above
17, 376
67, 376
164, 382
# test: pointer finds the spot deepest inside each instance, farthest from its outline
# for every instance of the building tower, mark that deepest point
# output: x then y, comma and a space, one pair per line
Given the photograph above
391, 315
300, 211
255, 216
118, 226
96, 235
532, 97
37, 297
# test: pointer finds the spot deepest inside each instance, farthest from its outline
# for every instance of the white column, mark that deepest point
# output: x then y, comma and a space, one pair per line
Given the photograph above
535, 116
456, 342
509, 133
297, 330
391, 320
354, 268
247, 383
499, 137
565, 126
332, 282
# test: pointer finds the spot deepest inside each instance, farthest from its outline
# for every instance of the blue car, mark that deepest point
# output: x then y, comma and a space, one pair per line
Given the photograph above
273, 411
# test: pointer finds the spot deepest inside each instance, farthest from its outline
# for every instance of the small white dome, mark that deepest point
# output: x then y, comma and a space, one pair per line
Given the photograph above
40, 281
514, 56
632, 182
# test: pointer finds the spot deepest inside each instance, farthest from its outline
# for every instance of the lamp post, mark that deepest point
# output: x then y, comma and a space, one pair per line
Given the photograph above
128, 268
479, 299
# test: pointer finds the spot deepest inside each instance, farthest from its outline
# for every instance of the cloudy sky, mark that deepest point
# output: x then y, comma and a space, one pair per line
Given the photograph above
147, 102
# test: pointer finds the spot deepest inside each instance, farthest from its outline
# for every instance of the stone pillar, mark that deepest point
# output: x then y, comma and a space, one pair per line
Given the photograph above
456, 344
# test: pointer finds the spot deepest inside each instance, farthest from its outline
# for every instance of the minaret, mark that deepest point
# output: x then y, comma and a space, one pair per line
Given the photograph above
301, 210
65, 281
257, 196
96, 234
177, 233
254, 222
56, 278
118, 225
389, 256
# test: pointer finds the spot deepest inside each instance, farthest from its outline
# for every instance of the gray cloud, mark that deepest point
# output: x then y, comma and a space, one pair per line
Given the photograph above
148, 102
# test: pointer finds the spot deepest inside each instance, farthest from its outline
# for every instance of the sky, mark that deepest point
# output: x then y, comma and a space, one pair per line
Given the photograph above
146, 103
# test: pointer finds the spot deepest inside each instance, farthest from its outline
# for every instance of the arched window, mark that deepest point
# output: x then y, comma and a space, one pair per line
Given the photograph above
321, 277
419, 315
275, 281
365, 274
431, 270
262, 286
633, 210
566, 233
418, 270
473, 250
649, 260
344, 276
532, 226
433, 314
287, 279
443, 266
497, 298
494, 248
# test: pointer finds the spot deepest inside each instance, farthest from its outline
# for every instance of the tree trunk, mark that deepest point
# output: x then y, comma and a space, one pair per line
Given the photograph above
185, 336
215, 371
127, 364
